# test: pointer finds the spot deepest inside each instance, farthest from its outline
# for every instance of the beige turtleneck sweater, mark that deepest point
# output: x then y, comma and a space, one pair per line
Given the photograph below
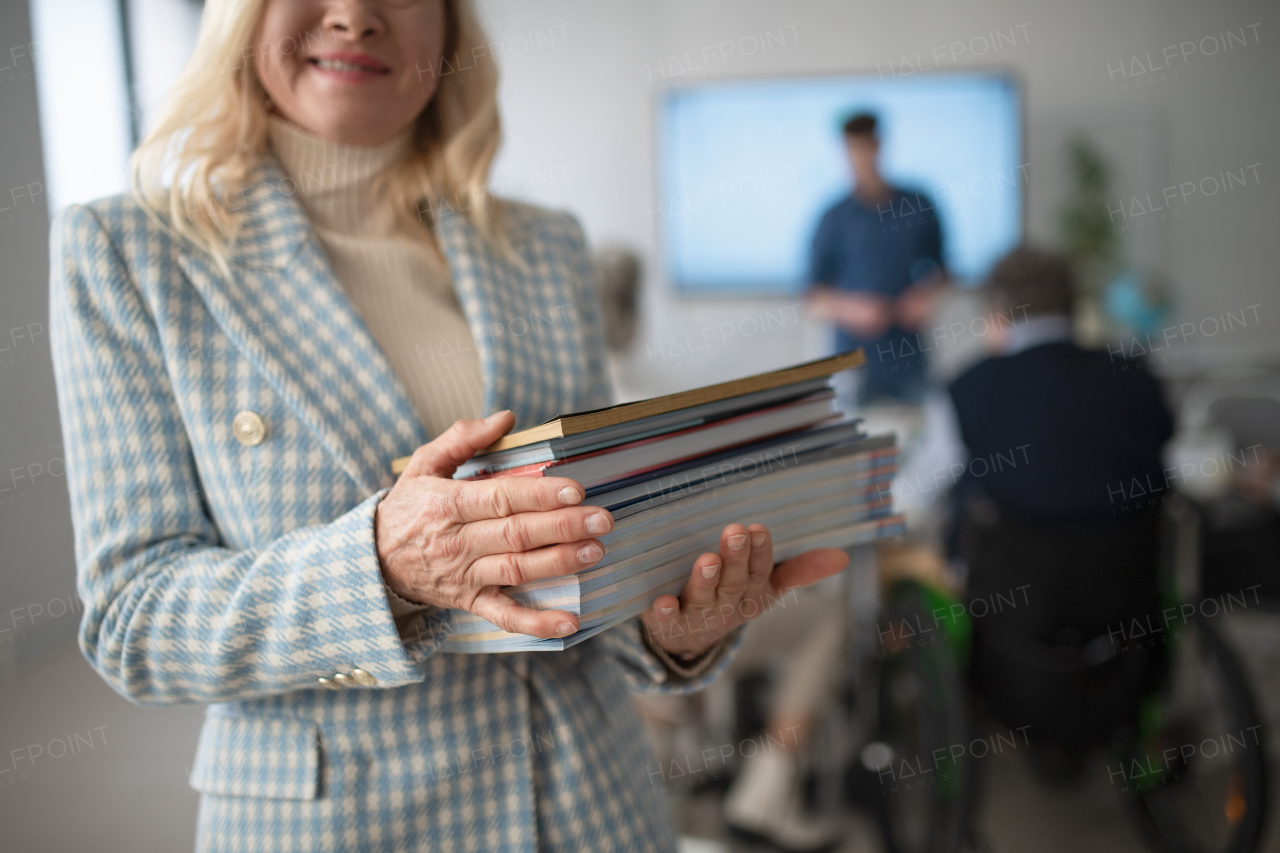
401, 288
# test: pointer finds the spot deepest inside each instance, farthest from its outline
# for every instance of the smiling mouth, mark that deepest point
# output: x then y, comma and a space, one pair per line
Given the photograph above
340, 65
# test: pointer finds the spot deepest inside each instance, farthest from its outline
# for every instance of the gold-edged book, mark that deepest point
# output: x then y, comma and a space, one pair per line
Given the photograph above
580, 422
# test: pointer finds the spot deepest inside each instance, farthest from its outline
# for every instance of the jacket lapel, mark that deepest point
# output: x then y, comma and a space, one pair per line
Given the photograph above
285, 309
522, 313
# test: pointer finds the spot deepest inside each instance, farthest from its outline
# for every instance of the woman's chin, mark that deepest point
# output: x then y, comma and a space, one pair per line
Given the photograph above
346, 123
353, 115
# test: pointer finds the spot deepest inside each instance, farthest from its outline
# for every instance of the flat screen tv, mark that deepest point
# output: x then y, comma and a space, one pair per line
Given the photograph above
747, 167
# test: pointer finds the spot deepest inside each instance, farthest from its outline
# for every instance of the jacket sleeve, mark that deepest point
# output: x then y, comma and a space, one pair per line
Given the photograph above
171, 615
646, 673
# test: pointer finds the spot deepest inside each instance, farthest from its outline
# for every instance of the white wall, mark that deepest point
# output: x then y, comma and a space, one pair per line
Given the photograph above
163, 33
80, 77
578, 113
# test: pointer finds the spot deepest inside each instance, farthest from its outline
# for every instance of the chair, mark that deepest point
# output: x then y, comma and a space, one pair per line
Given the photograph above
1054, 612
1112, 647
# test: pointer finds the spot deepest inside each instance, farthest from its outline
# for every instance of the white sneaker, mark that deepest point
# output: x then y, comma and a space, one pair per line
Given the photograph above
765, 802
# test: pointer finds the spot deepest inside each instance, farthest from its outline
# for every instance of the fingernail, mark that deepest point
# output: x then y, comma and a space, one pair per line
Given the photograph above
495, 416
598, 523
665, 610
711, 571
564, 629
757, 539
737, 542
569, 495
589, 553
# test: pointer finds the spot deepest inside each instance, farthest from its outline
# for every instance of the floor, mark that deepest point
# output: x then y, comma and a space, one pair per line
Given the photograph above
82, 769
1017, 815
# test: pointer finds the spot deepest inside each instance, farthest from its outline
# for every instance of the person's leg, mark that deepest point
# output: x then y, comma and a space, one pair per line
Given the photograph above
808, 680
765, 798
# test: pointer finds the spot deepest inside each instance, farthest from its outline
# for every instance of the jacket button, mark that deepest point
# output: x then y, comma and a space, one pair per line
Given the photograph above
342, 679
327, 683
249, 428
363, 678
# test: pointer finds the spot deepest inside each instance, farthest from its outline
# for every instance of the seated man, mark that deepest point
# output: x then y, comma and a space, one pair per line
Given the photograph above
1049, 434
1084, 420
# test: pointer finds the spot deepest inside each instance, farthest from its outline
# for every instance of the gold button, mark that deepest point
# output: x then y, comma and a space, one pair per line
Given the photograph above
249, 428
342, 679
327, 682
363, 678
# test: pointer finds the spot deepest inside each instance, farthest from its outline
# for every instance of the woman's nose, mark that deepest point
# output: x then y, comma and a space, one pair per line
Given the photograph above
354, 18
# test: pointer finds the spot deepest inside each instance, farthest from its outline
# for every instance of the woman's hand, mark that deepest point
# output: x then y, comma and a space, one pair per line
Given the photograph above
455, 543
730, 588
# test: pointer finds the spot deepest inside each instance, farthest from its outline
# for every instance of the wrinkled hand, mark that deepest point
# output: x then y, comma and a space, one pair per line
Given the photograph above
453, 543
728, 589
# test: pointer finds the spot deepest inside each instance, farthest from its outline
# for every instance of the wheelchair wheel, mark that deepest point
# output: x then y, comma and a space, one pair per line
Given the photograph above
1198, 776
919, 754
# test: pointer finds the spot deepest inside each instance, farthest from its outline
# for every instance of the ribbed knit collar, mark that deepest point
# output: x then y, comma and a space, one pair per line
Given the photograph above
325, 170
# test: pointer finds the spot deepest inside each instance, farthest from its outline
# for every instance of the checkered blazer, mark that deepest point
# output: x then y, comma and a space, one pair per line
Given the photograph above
215, 571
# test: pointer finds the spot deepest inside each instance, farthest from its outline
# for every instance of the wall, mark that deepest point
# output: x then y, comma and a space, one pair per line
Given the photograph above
37, 567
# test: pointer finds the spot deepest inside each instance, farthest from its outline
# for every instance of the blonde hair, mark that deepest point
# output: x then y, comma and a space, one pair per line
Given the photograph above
211, 135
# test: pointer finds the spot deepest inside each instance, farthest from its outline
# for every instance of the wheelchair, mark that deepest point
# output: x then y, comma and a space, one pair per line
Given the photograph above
1140, 668
1197, 773
915, 773
895, 742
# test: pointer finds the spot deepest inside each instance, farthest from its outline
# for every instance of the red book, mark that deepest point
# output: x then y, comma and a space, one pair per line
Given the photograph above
648, 454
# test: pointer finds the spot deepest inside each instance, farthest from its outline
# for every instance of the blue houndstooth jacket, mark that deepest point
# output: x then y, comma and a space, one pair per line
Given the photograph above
219, 571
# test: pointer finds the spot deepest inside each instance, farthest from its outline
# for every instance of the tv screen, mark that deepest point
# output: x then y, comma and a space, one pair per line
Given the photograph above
746, 169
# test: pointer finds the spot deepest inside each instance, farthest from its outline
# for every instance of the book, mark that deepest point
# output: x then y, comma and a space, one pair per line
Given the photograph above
485, 638
635, 458
828, 496
581, 422
561, 448
673, 471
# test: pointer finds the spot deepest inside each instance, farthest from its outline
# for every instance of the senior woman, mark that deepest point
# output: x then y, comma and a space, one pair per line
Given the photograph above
309, 280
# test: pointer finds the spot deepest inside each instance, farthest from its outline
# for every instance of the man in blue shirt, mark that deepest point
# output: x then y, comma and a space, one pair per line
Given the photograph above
875, 268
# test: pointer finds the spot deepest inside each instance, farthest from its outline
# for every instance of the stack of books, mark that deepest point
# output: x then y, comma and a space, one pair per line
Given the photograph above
674, 470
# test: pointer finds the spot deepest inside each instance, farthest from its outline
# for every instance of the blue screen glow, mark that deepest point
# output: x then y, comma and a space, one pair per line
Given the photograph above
746, 169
